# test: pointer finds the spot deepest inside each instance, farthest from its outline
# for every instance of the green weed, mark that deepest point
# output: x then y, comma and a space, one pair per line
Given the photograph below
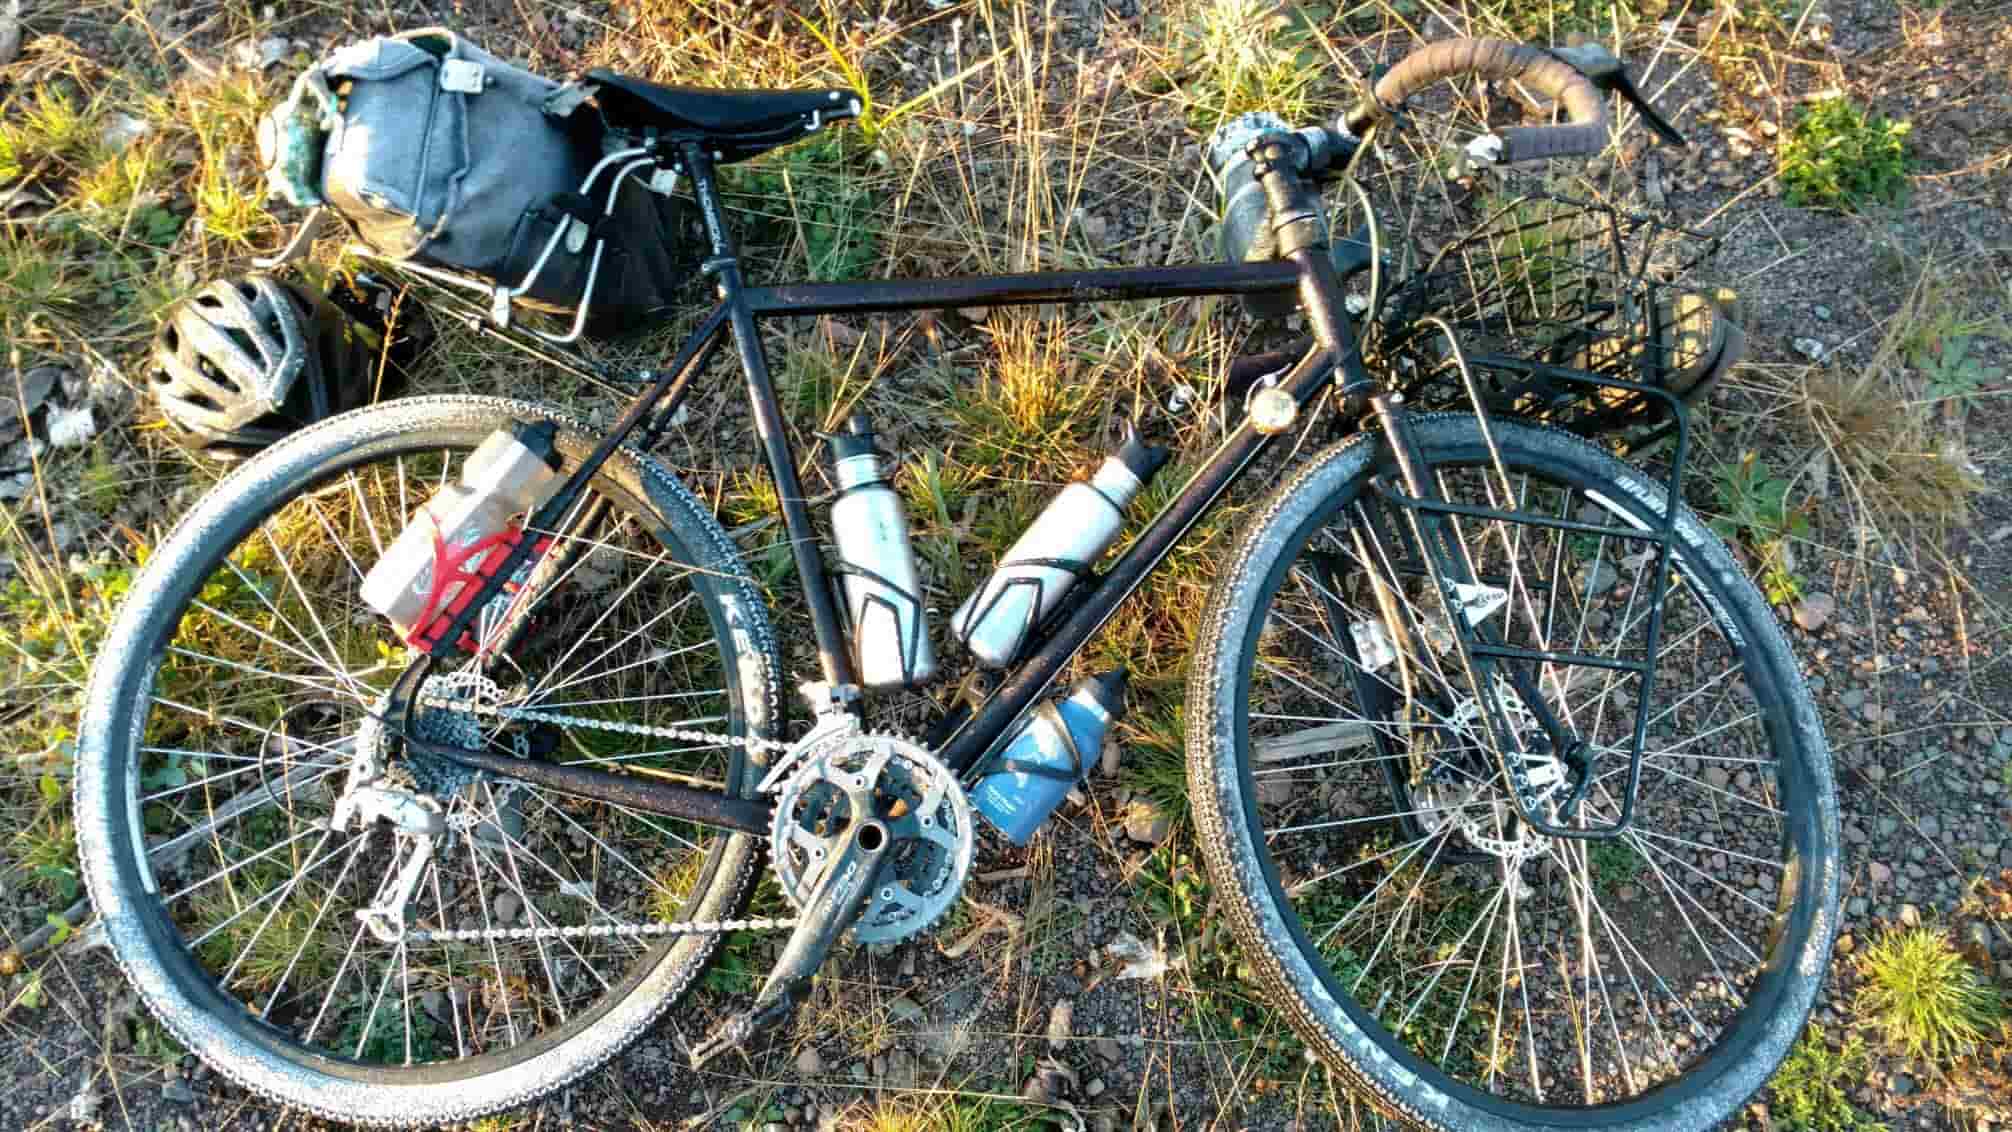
1949, 370
1812, 1088
37, 275
1613, 863
874, 119
48, 125
1923, 997
1837, 155
44, 849
1753, 507
386, 1033
820, 190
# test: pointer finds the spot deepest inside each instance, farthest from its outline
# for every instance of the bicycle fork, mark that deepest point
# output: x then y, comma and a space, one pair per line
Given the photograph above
1486, 661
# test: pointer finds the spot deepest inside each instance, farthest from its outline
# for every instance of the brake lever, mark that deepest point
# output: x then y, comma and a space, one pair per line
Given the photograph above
1608, 74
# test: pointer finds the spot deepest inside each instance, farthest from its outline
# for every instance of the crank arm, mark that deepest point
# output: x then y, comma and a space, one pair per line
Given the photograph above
841, 895
704, 807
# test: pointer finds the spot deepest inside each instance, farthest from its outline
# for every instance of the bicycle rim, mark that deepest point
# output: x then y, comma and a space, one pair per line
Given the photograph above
259, 689
1534, 978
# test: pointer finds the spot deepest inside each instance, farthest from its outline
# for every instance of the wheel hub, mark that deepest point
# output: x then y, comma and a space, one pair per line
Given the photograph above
905, 786
1479, 805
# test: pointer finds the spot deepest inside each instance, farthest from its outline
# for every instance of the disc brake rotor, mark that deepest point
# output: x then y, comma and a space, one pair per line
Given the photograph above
1480, 807
922, 803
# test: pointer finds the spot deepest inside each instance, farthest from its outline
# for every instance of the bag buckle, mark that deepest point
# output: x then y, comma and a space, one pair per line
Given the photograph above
462, 76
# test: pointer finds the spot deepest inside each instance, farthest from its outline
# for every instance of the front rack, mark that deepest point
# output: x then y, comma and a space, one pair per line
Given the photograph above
1565, 310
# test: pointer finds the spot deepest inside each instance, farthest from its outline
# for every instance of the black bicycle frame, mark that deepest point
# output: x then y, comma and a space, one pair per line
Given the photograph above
1306, 267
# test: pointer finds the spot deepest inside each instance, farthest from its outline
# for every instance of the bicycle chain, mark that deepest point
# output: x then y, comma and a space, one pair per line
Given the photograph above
596, 931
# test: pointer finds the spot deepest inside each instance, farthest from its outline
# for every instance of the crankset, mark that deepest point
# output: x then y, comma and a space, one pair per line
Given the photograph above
871, 834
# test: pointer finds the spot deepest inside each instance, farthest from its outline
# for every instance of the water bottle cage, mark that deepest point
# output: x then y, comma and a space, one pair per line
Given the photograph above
1032, 631
451, 569
1078, 765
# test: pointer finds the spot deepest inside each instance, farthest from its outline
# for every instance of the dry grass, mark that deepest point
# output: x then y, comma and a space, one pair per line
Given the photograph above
1002, 145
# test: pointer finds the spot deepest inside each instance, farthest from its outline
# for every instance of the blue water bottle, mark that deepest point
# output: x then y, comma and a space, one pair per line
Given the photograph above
1049, 756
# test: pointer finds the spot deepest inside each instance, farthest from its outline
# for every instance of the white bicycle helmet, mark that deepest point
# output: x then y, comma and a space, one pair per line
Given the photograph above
242, 362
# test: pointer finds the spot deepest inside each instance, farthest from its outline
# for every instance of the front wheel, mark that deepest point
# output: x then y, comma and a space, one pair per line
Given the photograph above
356, 957
1468, 970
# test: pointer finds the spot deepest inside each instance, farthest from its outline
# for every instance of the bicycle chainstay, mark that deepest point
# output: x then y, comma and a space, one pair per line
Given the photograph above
578, 931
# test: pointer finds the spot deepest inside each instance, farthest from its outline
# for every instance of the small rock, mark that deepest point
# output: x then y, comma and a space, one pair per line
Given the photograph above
1274, 790
266, 53
1910, 915
1880, 872
1852, 699
1977, 944
1059, 1019
1108, 1049
36, 385
1930, 825
10, 30
507, 906
904, 1009
1809, 348
1814, 611
71, 428
809, 1063
1036, 1089
1600, 577
1147, 823
177, 1091
1823, 312
84, 1106
1112, 755
434, 1003
121, 131
1095, 1088
858, 1070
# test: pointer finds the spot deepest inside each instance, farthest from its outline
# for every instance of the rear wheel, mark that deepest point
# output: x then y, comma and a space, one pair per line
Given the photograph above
1470, 971
459, 944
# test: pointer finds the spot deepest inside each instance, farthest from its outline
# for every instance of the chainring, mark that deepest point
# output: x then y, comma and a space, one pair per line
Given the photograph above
915, 794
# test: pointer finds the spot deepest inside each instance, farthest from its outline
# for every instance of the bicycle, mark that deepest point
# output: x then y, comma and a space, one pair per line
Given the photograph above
1487, 873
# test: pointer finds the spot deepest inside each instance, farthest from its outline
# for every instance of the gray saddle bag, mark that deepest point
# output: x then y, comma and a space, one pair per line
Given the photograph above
436, 152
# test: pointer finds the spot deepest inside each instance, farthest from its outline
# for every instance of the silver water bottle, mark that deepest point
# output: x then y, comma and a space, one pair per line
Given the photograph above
1057, 549
883, 591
